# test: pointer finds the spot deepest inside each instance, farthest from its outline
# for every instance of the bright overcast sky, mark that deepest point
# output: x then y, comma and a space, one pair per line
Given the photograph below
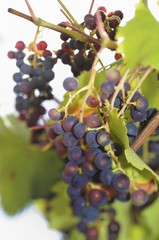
29, 225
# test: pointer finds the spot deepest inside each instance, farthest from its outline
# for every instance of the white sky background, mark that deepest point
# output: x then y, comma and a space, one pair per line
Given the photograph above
30, 224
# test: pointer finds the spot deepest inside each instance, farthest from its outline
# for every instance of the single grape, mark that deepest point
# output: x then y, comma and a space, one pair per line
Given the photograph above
54, 114
91, 153
141, 104
138, 116
76, 154
69, 140
69, 122
106, 176
92, 233
79, 130
57, 128
92, 101
113, 75
103, 138
26, 69
89, 214
107, 88
70, 84
132, 129
103, 161
114, 227
92, 121
114, 21
90, 23
119, 14
121, 182
89, 168
73, 192
42, 45
91, 138
139, 197
97, 197
20, 45
79, 181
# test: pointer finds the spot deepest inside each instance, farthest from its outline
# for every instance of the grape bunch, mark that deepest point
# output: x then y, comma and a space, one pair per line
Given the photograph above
32, 81
93, 169
80, 55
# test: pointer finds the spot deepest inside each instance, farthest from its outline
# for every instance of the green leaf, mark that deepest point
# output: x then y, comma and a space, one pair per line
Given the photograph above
26, 172
118, 129
137, 162
140, 39
150, 90
60, 215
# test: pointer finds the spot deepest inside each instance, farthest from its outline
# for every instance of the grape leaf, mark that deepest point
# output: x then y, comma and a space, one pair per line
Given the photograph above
26, 172
118, 129
137, 162
140, 39
150, 90
60, 215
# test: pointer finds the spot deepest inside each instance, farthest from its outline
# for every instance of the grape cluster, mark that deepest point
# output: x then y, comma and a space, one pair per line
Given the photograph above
92, 173
80, 55
32, 81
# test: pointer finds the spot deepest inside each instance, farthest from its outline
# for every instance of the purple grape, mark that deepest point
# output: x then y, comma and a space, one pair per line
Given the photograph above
70, 84
91, 153
106, 176
132, 129
138, 116
107, 88
113, 75
91, 138
80, 130
92, 121
113, 227
103, 161
79, 181
119, 14
123, 196
92, 101
90, 23
139, 197
73, 192
69, 122
57, 127
141, 104
89, 168
89, 214
69, 140
97, 197
54, 114
121, 182
26, 69
76, 154
103, 138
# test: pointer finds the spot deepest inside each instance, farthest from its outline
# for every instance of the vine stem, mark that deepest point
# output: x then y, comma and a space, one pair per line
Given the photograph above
91, 7
148, 71
119, 87
91, 82
146, 132
31, 11
72, 97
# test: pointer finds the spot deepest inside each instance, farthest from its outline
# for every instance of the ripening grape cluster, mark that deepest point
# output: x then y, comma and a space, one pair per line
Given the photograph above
32, 81
80, 55
92, 170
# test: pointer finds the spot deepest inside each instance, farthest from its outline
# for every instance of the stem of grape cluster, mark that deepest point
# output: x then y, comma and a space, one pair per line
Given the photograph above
119, 87
91, 82
148, 71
